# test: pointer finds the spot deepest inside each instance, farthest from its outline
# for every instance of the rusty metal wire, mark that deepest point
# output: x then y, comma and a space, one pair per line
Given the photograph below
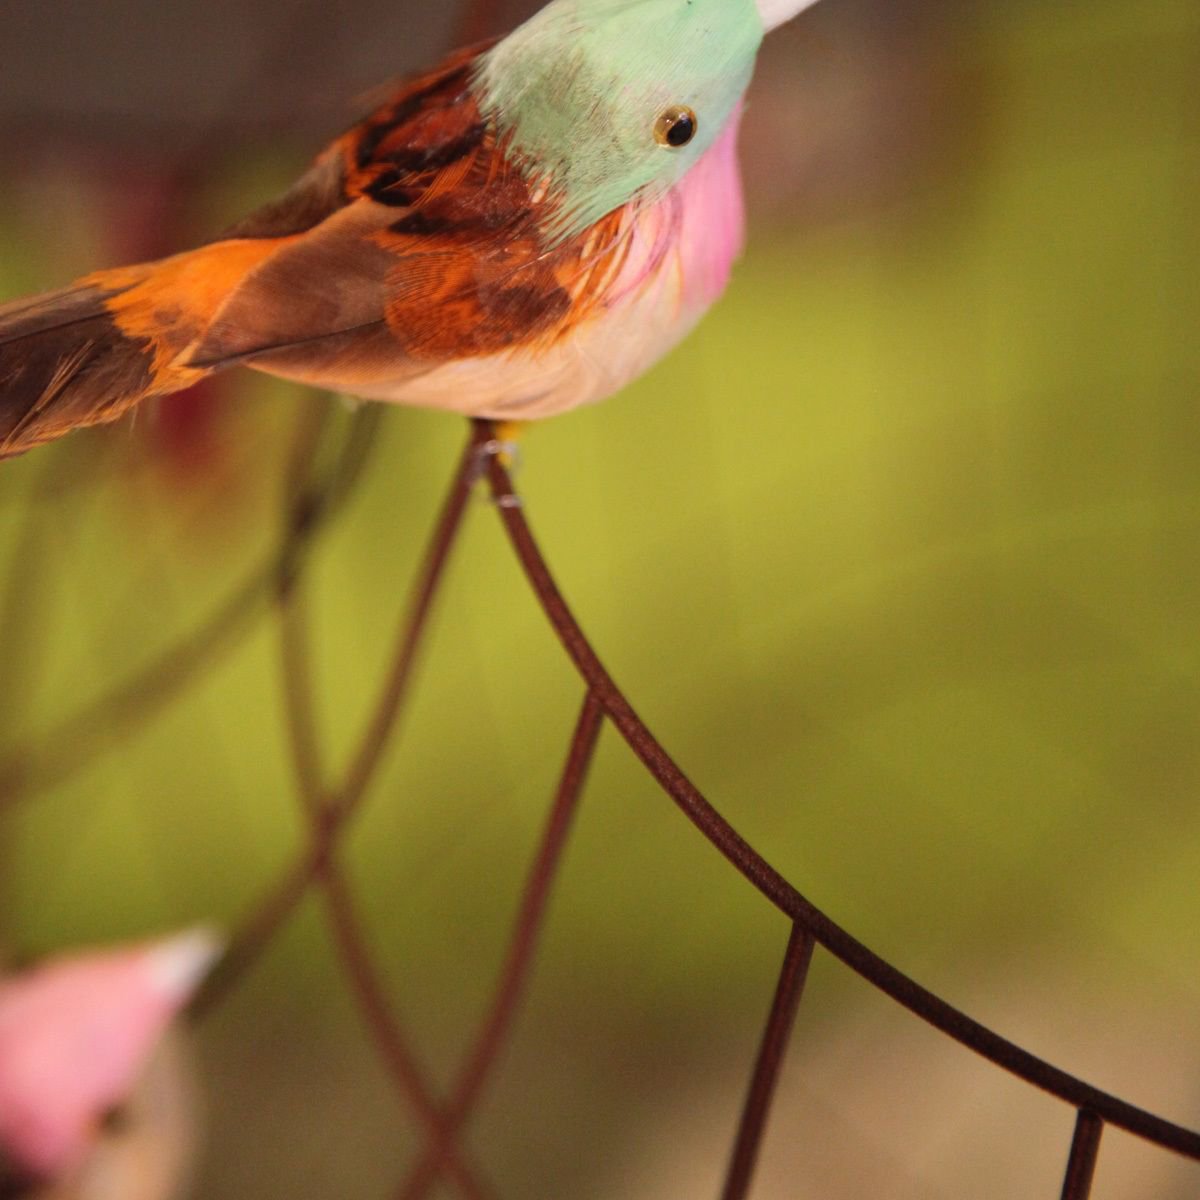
312, 496
329, 808
105, 723
1095, 1106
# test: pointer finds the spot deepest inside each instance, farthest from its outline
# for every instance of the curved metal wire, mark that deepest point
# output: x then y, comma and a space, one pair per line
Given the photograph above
445, 1120
331, 806
1085, 1097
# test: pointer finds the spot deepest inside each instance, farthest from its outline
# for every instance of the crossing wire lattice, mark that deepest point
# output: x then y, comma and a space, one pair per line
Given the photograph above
312, 497
330, 807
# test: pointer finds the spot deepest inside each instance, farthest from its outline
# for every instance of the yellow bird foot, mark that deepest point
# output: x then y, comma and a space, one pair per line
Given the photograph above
504, 444
508, 434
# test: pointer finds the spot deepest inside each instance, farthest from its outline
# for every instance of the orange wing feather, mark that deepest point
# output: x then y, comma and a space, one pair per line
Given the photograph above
413, 240
438, 228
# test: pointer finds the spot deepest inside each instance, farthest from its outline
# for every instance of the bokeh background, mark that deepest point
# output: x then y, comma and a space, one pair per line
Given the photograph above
898, 555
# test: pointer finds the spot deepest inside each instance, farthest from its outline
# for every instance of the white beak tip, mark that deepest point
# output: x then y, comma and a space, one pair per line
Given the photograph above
778, 12
179, 963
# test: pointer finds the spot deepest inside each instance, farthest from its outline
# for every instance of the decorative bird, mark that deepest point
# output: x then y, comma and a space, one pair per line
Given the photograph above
94, 1103
523, 229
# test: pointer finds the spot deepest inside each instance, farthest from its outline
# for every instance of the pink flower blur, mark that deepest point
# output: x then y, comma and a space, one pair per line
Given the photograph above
74, 1036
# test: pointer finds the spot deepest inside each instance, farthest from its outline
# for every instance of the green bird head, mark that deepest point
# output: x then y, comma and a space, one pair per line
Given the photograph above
611, 100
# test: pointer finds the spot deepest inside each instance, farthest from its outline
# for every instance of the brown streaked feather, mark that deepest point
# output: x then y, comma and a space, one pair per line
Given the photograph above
87, 354
412, 241
438, 238
64, 363
403, 113
320, 285
55, 310
317, 194
169, 304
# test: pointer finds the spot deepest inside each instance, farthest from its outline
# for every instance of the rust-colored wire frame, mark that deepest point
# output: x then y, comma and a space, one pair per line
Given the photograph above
331, 807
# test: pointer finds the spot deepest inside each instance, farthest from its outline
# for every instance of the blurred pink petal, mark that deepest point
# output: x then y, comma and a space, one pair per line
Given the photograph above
75, 1034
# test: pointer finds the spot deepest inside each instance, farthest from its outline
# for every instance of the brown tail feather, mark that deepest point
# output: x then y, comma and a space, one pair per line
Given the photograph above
89, 353
65, 363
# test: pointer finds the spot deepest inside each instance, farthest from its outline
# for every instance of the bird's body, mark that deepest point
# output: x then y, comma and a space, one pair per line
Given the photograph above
523, 229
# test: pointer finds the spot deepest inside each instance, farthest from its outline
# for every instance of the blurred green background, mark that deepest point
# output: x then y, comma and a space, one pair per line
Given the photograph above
897, 555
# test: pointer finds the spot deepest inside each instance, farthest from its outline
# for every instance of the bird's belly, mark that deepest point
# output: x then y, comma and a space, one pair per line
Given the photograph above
592, 361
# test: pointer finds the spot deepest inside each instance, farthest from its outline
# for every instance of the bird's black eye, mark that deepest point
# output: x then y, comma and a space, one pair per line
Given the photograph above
675, 127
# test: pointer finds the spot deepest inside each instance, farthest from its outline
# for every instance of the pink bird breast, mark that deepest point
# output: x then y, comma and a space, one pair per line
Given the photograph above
714, 218
695, 232
75, 1034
